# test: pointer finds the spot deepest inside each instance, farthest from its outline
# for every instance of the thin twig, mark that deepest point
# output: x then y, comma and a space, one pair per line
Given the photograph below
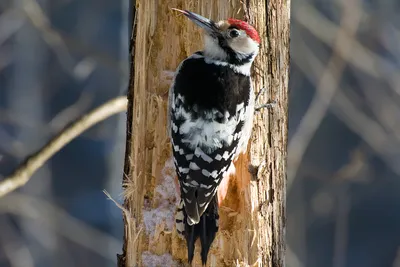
24, 172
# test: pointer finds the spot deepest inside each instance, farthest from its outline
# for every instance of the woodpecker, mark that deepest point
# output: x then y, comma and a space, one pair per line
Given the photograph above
210, 118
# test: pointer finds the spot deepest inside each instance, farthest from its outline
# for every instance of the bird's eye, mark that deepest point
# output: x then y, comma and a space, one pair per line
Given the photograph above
234, 33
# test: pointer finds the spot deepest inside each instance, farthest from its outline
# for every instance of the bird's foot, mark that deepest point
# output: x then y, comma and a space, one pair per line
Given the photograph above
266, 105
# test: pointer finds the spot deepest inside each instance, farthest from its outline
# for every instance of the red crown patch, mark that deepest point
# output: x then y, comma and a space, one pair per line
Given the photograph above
242, 25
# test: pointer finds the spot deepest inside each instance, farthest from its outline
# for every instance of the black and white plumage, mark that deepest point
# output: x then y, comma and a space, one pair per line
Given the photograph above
211, 106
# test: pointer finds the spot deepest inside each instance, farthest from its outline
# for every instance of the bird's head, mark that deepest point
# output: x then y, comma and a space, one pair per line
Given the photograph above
233, 41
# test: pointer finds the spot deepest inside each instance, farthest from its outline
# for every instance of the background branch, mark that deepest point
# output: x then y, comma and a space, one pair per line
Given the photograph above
24, 172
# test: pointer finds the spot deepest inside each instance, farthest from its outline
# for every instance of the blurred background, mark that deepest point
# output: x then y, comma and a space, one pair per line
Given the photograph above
61, 58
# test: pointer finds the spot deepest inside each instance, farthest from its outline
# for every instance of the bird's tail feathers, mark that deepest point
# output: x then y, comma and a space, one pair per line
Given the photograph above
206, 229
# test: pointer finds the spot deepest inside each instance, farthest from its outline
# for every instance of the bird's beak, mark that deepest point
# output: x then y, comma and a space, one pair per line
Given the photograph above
207, 24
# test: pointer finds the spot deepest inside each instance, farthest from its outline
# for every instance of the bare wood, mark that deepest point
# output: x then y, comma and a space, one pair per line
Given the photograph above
32, 163
252, 224
270, 132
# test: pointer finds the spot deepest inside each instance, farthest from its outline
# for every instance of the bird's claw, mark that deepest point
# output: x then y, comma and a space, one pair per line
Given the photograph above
266, 105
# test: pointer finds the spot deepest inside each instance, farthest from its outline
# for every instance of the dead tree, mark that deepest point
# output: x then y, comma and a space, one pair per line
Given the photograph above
252, 224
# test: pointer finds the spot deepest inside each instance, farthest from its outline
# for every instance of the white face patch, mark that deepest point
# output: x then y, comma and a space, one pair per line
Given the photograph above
243, 45
212, 49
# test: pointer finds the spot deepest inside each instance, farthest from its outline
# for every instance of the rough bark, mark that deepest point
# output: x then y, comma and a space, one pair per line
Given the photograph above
252, 224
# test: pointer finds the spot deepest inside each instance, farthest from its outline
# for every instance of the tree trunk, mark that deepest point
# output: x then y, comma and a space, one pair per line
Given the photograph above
252, 222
